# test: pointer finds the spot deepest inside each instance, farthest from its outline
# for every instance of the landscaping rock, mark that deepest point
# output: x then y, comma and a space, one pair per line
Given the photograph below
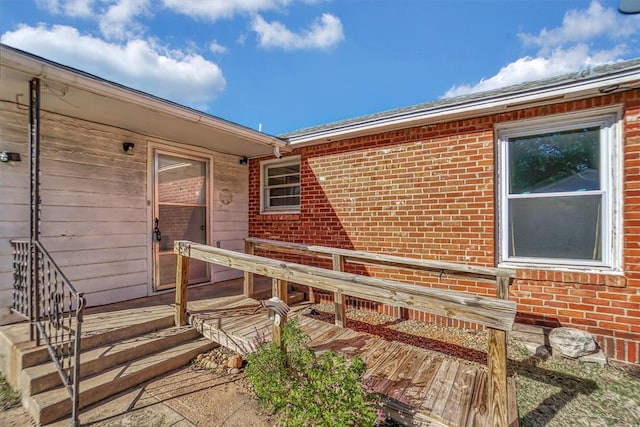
598, 357
235, 361
571, 342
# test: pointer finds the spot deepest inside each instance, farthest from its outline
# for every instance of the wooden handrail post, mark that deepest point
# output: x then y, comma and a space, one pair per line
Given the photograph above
182, 280
279, 289
338, 297
497, 396
249, 248
502, 287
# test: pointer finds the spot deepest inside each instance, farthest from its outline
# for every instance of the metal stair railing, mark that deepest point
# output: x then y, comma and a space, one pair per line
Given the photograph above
45, 296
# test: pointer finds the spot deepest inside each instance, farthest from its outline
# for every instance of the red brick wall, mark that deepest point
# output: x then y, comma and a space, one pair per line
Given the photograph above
429, 192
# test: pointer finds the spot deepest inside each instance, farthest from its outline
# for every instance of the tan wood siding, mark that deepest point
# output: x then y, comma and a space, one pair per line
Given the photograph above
14, 192
230, 204
94, 210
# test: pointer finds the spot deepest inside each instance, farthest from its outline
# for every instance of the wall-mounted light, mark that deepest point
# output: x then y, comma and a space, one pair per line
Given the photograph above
243, 160
127, 147
6, 156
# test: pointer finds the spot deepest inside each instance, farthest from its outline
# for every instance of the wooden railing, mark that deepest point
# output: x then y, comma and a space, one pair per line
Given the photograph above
496, 314
502, 277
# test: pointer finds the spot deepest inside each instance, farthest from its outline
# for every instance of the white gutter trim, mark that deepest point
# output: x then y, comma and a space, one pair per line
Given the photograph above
474, 108
38, 69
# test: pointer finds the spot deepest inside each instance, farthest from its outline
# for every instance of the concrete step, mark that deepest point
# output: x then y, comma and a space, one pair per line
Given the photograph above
96, 337
37, 379
53, 404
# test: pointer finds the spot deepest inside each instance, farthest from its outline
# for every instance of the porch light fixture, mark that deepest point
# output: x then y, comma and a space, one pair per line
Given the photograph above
243, 160
127, 147
6, 156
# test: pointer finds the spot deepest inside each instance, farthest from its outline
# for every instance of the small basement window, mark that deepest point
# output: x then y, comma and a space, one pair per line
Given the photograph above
280, 183
559, 191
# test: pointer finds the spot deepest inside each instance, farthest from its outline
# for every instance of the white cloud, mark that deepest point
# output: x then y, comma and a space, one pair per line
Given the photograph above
324, 33
526, 69
584, 25
565, 49
218, 9
73, 8
181, 77
217, 48
118, 21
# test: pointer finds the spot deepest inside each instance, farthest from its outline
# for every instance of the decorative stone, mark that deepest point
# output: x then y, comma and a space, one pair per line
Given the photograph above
235, 361
571, 342
598, 357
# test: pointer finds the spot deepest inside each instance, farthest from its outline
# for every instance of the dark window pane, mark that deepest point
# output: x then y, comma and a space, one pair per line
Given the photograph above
556, 227
555, 162
285, 201
282, 180
283, 170
284, 191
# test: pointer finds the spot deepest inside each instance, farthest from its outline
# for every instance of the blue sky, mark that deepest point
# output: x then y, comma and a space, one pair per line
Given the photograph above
290, 64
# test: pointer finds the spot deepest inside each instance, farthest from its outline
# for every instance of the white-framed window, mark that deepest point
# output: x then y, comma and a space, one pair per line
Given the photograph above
560, 191
280, 185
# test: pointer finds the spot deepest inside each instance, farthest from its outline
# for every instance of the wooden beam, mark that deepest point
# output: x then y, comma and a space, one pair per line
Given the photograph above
497, 378
182, 280
491, 312
247, 287
279, 289
371, 258
338, 296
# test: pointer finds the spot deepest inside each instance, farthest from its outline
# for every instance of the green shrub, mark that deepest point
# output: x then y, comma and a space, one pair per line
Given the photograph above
306, 390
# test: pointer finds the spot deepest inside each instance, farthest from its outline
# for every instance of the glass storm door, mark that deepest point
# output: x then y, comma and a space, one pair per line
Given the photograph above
180, 214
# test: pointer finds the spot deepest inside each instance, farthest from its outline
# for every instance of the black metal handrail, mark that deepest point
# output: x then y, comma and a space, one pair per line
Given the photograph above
55, 309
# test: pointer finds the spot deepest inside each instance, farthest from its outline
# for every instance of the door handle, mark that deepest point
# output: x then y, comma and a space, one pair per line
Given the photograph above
157, 236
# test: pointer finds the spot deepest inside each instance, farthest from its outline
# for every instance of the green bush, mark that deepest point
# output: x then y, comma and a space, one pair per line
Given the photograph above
306, 390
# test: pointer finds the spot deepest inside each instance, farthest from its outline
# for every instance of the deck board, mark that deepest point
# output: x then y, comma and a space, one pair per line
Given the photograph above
417, 382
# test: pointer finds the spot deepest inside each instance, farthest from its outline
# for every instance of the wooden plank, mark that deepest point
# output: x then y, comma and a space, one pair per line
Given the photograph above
477, 414
247, 289
279, 290
314, 328
403, 377
326, 337
377, 359
514, 420
458, 404
182, 280
388, 376
338, 297
497, 381
440, 383
438, 394
373, 352
489, 312
340, 343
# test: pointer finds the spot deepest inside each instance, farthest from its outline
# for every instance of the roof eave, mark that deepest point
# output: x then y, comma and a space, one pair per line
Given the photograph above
472, 108
44, 69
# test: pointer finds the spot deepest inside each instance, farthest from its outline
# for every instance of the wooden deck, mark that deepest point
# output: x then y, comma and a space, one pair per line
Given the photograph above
418, 385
